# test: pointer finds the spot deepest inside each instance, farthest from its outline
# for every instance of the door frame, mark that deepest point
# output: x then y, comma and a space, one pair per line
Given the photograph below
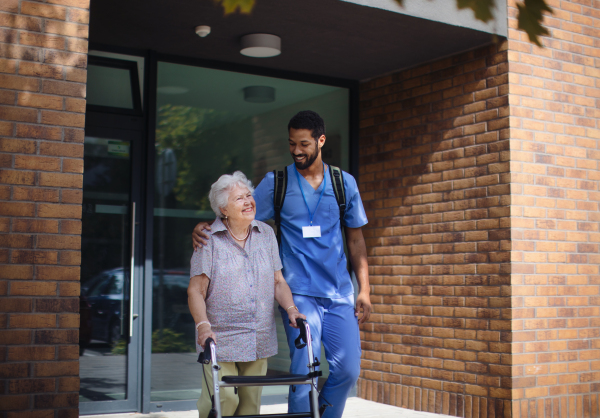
130, 128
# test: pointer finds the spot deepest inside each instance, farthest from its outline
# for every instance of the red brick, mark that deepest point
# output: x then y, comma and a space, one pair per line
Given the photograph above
39, 132
67, 29
61, 149
43, 10
31, 353
31, 386
15, 337
17, 177
61, 118
40, 163
35, 194
44, 41
40, 70
18, 114
57, 273
57, 368
14, 272
33, 288
59, 180
40, 101
33, 321
17, 209
67, 58
59, 211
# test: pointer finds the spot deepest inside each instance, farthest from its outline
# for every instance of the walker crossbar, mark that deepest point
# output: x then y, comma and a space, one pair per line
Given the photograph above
209, 356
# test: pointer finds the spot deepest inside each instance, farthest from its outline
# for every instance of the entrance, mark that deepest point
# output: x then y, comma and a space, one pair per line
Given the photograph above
145, 188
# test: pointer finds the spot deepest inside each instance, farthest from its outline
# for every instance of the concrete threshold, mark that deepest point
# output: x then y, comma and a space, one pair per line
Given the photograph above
355, 408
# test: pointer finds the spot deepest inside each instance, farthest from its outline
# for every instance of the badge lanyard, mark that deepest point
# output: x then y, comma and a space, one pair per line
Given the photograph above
306, 233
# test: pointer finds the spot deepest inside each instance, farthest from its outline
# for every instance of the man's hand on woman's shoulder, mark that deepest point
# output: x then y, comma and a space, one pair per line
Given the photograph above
199, 236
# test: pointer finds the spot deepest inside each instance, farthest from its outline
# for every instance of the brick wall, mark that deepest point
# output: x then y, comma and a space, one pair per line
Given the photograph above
434, 177
42, 110
555, 149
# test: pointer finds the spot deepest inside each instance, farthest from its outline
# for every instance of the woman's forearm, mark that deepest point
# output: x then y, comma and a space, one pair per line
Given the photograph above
196, 296
283, 294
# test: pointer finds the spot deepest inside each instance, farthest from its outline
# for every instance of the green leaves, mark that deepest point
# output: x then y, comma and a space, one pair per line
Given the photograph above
530, 19
481, 8
231, 6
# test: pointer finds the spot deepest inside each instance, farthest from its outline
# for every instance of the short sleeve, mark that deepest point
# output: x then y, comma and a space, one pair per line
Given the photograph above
355, 215
263, 196
275, 259
201, 262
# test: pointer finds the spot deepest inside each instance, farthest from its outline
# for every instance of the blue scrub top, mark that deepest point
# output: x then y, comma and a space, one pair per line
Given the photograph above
313, 266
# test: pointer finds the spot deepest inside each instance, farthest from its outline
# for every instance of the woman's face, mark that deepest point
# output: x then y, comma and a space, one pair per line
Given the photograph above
240, 205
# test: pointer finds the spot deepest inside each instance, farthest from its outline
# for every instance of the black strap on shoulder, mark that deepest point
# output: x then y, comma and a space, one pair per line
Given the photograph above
279, 189
337, 182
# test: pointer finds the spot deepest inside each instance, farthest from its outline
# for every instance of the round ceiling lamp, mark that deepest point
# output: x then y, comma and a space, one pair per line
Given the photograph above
259, 94
260, 45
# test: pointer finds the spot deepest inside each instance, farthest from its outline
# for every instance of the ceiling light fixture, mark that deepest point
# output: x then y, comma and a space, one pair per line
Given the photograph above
259, 94
202, 31
260, 45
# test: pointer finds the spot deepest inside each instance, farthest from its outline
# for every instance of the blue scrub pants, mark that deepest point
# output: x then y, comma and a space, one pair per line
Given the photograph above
333, 323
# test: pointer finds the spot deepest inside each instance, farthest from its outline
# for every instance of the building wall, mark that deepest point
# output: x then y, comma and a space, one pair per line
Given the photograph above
555, 148
434, 177
42, 110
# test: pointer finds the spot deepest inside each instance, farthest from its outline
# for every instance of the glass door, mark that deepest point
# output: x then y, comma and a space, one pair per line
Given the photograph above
110, 280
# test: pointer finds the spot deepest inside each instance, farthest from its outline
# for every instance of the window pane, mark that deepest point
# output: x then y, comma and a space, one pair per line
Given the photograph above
207, 125
109, 87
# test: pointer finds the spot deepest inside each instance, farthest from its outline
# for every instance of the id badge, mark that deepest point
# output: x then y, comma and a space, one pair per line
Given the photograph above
311, 231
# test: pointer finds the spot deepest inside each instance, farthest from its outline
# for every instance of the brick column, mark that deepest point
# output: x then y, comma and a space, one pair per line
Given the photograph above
434, 179
42, 111
555, 149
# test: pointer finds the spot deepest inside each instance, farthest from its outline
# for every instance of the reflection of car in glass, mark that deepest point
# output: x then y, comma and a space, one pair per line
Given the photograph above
105, 295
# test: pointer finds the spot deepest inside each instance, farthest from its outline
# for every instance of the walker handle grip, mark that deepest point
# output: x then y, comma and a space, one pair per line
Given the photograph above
205, 356
301, 340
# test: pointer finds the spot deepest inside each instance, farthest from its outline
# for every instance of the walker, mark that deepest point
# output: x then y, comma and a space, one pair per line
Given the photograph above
208, 356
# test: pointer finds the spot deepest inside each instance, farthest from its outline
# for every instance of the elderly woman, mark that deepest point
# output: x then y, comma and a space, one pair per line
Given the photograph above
234, 279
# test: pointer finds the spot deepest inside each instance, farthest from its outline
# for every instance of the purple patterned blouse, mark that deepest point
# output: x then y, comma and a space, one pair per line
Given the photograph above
239, 301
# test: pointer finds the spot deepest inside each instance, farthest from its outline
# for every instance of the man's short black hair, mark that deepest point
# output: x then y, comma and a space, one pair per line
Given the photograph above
307, 119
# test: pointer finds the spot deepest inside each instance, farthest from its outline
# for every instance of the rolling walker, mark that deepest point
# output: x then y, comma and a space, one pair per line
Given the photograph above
209, 356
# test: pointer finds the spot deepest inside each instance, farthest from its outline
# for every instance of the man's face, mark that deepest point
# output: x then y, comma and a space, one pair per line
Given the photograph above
304, 148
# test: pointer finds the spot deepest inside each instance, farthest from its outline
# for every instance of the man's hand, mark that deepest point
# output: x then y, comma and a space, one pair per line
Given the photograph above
199, 237
363, 301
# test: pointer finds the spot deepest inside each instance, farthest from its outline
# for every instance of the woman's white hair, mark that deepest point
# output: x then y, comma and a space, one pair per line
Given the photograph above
219, 191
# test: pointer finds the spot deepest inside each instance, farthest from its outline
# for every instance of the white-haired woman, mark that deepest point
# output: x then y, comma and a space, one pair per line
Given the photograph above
234, 279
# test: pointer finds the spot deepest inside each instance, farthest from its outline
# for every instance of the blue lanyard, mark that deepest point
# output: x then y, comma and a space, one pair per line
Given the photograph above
311, 215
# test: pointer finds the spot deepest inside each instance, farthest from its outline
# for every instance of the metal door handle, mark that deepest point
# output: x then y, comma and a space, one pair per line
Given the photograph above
132, 272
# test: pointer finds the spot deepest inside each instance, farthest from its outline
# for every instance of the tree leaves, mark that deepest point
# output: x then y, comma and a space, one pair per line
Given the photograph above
530, 18
231, 6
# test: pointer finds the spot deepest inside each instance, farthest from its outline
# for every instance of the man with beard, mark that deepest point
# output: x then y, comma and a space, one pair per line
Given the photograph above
314, 262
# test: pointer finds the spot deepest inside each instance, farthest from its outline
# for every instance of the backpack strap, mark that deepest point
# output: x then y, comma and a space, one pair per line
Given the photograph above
279, 189
337, 182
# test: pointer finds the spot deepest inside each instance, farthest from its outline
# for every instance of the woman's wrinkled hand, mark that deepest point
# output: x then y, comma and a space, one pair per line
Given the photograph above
205, 332
295, 315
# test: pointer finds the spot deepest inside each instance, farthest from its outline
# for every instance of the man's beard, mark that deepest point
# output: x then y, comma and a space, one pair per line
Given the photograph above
309, 160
